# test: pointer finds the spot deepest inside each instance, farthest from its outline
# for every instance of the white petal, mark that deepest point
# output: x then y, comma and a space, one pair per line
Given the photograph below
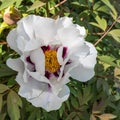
37, 76
64, 93
50, 101
84, 70
19, 79
11, 39
81, 73
59, 55
15, 64
38, 58
64, 22
56, 85
21, 43
36, 27
30, 46
32, 89
69, 37
81, 30
89, 61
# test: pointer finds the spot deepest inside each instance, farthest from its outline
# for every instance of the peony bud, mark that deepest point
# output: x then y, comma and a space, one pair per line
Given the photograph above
11, 15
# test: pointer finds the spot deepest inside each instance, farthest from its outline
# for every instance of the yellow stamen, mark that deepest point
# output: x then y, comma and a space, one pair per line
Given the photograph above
51, 62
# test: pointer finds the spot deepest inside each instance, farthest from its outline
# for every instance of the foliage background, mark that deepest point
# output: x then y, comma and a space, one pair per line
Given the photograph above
97, 99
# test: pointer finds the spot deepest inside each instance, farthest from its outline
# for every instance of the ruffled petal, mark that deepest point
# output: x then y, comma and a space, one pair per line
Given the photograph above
81, 30
11, 39
81, 73
86, 57
63, 22
69, 37
15, 64
90, 60
36, 27
50, 101
32, 88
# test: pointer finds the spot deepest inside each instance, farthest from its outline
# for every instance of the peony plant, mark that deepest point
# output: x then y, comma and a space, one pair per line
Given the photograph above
50, 52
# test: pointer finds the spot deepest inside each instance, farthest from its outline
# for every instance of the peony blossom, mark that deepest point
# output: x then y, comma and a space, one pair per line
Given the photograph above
50, 52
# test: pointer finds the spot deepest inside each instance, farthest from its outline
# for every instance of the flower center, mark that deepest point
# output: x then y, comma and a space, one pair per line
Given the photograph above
51, 62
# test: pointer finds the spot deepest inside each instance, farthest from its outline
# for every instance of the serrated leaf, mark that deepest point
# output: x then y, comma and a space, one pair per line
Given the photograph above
107, 116
1, 102
13, 104
36, 4
6, 71
7, 3
115, 34
3, 88
101, 23
113, 10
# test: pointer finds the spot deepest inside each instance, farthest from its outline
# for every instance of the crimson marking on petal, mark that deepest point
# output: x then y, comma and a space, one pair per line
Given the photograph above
69, 62
56, 74
64, 52
29, 60
45, 48
47, 74
49, 87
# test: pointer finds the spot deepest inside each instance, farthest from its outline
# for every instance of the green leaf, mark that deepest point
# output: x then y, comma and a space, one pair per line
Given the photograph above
74, 102
71, 115
36, 5
104, 9
115, 34
101, 23
2, 116
3, 88
113, 10
61, 110
6, 3
86, 96
6, 71
13, 104
108, 60
18, 2
1, 102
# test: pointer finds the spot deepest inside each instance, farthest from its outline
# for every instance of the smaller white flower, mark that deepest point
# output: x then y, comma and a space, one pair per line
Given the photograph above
50, 52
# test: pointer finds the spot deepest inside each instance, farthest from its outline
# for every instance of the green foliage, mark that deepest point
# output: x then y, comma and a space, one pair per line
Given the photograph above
115, 34
97, 99
35, 5
13, 104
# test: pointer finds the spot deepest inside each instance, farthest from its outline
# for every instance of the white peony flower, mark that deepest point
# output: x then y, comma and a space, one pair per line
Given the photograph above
50, 52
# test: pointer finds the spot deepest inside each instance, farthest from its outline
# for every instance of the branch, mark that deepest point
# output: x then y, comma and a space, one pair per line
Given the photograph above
3, 43
60, 3
106, 32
